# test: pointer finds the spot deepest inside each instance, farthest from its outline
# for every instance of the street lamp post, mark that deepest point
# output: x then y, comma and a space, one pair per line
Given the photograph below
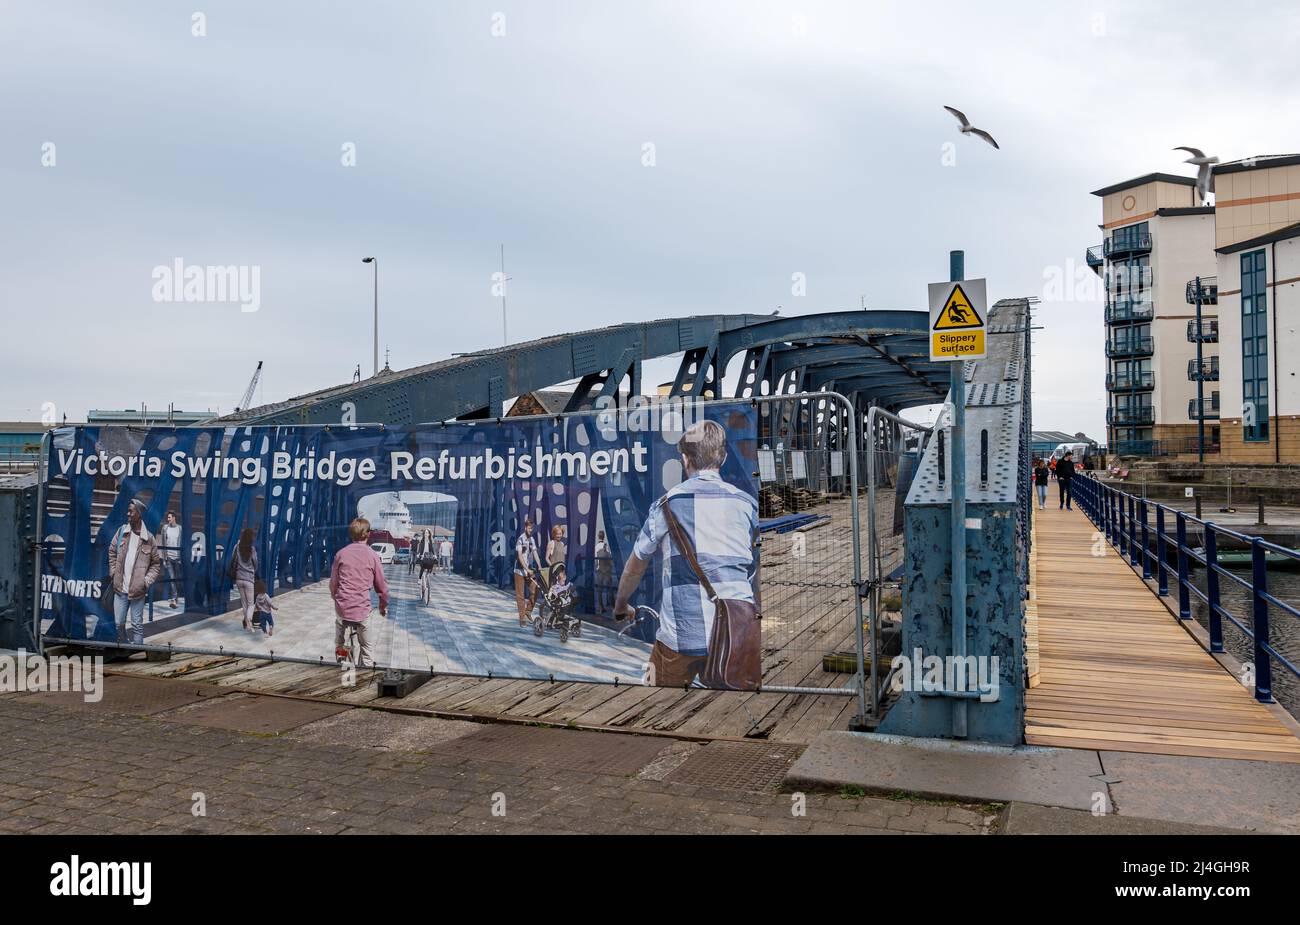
375, 261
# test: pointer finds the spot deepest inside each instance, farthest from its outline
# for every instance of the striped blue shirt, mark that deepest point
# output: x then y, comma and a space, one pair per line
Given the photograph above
721, 521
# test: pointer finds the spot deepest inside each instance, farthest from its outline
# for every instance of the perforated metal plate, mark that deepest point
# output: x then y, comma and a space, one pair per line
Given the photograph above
753, 766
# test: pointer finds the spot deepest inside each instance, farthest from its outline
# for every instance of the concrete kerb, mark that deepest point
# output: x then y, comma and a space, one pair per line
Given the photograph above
951, 770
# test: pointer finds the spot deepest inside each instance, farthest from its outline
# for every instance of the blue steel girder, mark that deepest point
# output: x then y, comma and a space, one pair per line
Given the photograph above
899, 394
475, 383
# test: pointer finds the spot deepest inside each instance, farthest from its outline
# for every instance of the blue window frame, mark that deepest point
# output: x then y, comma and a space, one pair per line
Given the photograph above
1254, 346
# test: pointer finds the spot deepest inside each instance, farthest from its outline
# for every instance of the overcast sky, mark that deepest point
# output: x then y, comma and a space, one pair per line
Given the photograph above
788, 138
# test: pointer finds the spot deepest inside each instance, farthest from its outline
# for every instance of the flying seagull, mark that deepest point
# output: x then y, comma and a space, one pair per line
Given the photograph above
968, 129
1204, 172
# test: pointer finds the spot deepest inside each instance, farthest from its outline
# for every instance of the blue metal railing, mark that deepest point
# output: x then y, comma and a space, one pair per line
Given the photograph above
1125, 520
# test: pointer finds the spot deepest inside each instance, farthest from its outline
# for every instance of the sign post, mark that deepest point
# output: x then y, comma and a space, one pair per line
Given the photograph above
958, 309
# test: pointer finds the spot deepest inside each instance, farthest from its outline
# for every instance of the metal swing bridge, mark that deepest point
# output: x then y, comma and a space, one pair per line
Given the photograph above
869, 365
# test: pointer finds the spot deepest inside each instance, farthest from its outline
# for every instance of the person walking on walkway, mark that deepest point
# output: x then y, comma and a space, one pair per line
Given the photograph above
356, 570
243, 572
1064, 476
1041, 473
556, 551
526, 559
169, 536
134, 564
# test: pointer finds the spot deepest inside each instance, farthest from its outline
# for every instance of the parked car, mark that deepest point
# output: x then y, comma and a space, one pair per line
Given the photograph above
386, 552
402, 556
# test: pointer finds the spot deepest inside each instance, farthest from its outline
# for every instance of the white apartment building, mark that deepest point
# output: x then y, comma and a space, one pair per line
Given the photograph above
1157, 238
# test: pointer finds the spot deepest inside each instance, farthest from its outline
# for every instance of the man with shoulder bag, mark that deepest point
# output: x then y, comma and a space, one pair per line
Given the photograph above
706, 530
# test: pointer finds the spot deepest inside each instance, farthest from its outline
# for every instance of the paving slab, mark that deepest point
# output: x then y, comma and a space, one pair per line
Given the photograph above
568, 749
1031, 819
252, 713
381, 729
944, 768
139, 696
1262, 796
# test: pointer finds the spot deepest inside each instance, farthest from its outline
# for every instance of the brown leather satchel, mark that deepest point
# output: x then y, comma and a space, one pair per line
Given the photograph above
735, 657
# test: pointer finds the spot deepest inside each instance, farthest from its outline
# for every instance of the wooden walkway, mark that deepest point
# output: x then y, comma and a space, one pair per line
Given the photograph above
1115, 670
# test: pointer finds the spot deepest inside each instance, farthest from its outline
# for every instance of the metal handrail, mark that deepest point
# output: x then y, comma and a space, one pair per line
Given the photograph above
1131, 416
1207, 369
1125, 521
1142, 379
1208, 334
1209, 290
1120, 243
1130, 345
1208, 408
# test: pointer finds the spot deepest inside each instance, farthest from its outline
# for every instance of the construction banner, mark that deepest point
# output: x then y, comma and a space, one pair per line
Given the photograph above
519, 548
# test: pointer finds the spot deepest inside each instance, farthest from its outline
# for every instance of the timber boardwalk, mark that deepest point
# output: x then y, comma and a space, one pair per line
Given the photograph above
1117, 672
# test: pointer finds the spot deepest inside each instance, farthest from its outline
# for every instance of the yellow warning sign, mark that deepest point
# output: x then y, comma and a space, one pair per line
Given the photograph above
957, 313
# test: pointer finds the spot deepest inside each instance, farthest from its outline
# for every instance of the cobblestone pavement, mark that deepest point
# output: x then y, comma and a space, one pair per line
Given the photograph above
77, 770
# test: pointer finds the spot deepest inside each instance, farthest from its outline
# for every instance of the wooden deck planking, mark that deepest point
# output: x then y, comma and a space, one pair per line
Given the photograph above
1117, 672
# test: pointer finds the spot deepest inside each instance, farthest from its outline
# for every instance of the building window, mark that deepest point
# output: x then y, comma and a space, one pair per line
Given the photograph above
1254, 347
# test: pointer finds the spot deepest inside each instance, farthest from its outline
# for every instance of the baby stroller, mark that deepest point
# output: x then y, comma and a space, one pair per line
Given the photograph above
555, 610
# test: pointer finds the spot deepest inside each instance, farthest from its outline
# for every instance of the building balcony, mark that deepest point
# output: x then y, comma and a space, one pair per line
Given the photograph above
1135, 447
1096, 258
1131, 382
1208, 333
1209, 409
1131, 417
1130, 347
1209, 291
1121, 244
1124, 309
1208, 371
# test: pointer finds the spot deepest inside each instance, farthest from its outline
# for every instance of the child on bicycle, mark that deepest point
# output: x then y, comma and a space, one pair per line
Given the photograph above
355, 572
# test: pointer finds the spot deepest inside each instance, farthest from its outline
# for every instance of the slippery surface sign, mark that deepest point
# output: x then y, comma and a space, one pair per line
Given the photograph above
957, 312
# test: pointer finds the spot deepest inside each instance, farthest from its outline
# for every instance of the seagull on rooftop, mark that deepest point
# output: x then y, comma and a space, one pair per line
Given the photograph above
968, 129
1204, 172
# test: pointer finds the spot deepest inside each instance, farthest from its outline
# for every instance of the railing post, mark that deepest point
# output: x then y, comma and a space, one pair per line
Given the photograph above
1132, 530
1184, 596
1121, 505
1212, 587
1162, 573
1146, 542
1259, 586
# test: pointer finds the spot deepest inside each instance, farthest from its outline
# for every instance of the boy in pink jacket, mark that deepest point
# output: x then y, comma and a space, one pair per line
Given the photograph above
356, 570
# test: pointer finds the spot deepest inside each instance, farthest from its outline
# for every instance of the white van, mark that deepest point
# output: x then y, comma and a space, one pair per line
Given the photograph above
386, 552
1080, 450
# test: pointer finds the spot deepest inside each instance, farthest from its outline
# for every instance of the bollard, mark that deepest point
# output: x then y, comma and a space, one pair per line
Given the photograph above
1259, 522
1198, 507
